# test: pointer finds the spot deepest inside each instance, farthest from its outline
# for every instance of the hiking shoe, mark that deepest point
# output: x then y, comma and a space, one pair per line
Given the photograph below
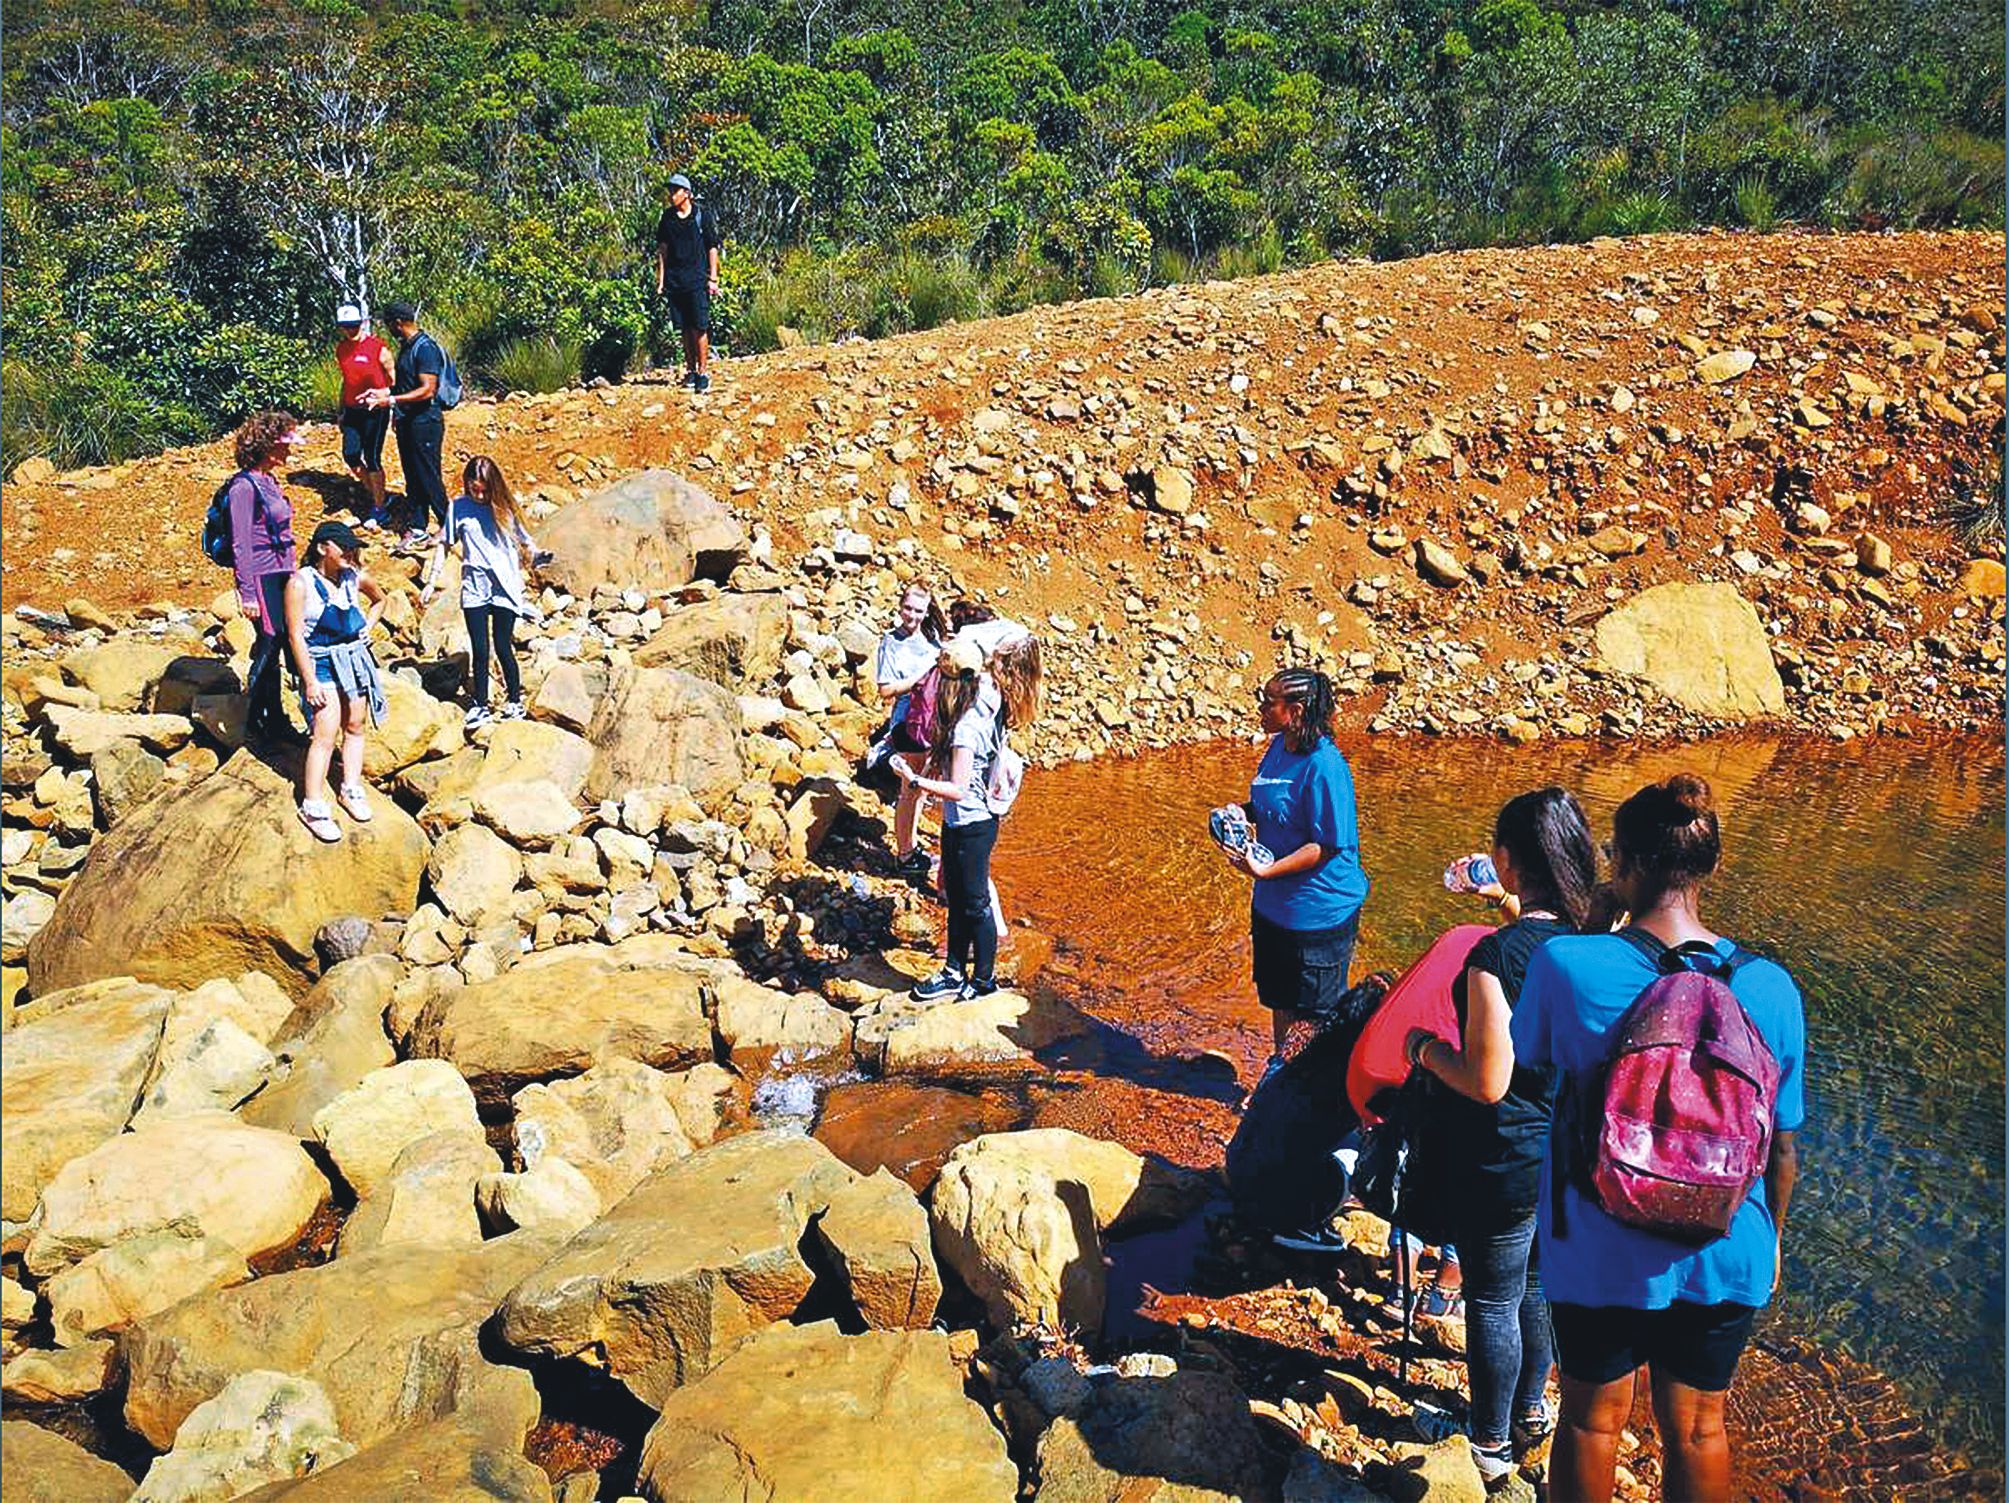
1493, 1462
513, 711
1313, 1239
971, 990
947, 982
1434, 1423
689, 378
916, 864
477, 717
1532, 1428
355, 802
701, 382
319, 822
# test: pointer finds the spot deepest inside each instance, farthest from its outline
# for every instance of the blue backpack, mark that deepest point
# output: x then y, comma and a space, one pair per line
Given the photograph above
217, 542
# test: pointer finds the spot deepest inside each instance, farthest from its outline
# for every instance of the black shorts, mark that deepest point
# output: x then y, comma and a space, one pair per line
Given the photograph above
904, 740
1697, 1345
690, 307
363, 430
1302, 971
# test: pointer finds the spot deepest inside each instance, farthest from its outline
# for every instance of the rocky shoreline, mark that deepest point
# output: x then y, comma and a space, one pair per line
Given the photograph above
472, 1092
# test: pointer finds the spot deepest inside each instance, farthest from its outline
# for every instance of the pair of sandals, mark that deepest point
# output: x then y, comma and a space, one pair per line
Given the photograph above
320, 820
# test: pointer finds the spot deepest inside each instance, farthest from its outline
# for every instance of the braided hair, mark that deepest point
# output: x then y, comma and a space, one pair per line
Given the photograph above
1311, 691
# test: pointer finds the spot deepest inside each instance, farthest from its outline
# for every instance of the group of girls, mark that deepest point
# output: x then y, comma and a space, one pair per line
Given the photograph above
958, 687
1538, 1003
320, 614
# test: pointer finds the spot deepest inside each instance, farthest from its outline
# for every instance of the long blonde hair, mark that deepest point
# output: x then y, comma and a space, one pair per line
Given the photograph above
1020, 674
953, 700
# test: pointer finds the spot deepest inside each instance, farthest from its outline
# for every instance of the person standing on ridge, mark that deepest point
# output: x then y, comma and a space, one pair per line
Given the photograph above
687, 252
418, 419
261, 533
366, 365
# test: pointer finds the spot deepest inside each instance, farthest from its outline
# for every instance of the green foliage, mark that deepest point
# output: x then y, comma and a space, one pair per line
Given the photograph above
186, 190
535, 363
83, 412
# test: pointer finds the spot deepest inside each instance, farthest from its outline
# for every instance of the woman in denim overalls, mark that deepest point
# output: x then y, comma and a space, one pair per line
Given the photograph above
331, 608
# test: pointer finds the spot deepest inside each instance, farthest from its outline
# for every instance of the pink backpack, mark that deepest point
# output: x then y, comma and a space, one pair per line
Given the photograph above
1684, 1101
920, 721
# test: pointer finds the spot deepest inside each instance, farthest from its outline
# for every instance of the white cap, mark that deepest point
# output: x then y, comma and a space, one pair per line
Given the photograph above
348, 313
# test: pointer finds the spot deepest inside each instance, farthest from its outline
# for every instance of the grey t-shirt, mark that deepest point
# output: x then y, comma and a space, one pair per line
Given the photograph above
491, 568
980, 730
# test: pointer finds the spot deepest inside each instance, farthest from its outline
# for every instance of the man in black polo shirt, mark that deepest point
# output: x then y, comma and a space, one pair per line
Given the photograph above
417, 419
687, 247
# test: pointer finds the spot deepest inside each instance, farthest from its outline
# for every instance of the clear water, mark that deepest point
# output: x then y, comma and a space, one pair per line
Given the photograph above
1874, 872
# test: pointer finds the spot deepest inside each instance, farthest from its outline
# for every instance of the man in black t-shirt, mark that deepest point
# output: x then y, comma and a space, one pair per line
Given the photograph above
687, 250
417, 419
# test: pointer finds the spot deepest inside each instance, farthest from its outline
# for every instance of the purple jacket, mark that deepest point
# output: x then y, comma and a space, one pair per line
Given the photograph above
261, 533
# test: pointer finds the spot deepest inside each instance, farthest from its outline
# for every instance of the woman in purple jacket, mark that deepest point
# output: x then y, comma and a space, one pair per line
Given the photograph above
261, 541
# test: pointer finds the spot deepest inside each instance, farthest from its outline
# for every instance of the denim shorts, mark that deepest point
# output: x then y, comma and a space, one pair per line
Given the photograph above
1302, 971
1695, 1345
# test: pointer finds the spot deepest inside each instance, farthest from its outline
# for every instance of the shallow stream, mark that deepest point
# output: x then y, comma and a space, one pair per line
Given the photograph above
1874, 872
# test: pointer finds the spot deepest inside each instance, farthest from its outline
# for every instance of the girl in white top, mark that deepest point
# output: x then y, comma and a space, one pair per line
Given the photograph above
906, 655
332, 605
485, 527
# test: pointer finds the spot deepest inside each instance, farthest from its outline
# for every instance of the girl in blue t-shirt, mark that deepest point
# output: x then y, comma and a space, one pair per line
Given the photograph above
1304, 912
1622, 1298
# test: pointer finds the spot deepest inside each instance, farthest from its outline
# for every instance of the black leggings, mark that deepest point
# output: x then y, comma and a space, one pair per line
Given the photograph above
481, 619
966, 886
264, 715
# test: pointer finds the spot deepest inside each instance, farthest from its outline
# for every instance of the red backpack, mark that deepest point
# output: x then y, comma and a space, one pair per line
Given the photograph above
1679, 1125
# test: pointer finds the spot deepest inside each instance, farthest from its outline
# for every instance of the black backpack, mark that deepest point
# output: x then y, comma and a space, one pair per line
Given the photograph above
217, 542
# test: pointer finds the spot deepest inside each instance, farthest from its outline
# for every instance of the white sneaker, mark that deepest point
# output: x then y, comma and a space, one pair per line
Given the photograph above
513, 710
355, 802
319, 821
477, 717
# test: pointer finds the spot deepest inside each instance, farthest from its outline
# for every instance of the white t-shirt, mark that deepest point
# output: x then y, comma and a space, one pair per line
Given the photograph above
902, 660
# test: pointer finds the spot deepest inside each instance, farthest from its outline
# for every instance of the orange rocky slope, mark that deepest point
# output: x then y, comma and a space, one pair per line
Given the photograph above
1436, 475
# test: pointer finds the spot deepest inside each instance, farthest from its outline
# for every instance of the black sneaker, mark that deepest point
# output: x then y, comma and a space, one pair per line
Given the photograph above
690, 378
947, 982
1316, 1239
974, 989
916, 864
701, 382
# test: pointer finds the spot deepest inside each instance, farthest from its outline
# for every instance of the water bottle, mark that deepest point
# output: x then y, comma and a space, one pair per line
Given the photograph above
1470, 873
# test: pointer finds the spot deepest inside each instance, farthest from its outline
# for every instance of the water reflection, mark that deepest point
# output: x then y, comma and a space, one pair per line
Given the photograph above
1874, 872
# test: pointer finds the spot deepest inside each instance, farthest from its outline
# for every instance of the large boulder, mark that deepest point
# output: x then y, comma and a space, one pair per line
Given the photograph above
426, 1194
761, 1026
220, 879
1183, 1438
135, 1278
700, 1255
558, 1013
263, 1427
1702, 645
366, 1127
653, 532
416, 728
649, 725
891, 1420
876, 1234
394, 1336
473, 872
69, 1080
443, 1461
1021, 1217
213, 1069
616, 1124
899, 1036
330, 1042
40, 1466
734, 640
207, 1173
122, 673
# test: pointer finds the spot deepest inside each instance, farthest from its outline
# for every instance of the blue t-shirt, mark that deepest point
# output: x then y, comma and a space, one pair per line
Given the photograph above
1298, 798
1577, 989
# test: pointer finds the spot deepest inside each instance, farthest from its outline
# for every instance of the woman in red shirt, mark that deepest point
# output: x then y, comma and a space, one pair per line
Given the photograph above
366, 366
